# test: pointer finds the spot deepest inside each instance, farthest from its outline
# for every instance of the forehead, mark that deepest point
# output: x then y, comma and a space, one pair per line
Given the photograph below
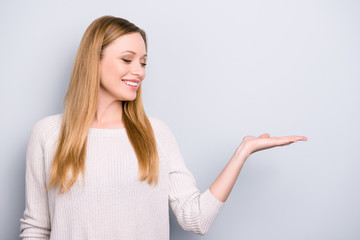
131, 41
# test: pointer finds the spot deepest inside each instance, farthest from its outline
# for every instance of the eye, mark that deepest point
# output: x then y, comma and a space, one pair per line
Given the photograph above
126, 60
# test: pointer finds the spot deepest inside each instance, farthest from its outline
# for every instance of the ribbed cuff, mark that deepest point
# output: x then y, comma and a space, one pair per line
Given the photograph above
211, 207
213, 202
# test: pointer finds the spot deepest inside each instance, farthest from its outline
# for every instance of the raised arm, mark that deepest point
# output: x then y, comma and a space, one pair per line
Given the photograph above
195, 211
224, 183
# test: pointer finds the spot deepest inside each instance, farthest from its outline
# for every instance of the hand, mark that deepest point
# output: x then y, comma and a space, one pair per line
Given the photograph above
253, 144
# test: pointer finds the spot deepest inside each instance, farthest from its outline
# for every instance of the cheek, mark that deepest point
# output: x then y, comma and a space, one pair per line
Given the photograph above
111, 71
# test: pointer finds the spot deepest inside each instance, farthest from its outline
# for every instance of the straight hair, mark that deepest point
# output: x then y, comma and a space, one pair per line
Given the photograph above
80, 105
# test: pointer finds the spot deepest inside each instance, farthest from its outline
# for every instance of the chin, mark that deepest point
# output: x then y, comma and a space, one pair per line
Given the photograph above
130, 98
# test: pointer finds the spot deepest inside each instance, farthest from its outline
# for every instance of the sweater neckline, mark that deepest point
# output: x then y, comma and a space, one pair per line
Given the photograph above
106, 131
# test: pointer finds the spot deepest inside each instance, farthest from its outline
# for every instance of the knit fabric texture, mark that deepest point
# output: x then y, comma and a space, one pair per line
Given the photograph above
111, 203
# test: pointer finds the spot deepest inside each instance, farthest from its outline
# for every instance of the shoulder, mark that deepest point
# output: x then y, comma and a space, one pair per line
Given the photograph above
46, 127
46, 123
162, 131
160, 127
157, 123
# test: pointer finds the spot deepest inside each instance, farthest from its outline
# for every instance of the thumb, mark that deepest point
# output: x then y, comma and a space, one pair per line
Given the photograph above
265, 135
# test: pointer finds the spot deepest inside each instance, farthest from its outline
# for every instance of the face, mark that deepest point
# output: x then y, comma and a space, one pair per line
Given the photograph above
122, 67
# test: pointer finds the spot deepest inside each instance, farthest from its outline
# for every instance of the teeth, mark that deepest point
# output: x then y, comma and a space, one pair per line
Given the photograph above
131, 83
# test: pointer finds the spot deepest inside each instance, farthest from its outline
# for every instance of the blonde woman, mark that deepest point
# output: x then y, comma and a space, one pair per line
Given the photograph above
102, 169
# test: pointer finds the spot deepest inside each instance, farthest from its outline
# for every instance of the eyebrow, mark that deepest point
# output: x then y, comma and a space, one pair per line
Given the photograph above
145, 55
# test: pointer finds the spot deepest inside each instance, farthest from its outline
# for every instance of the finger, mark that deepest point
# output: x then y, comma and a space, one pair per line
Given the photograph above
296, 138
281, 141
293, 139
265, 135
300, 138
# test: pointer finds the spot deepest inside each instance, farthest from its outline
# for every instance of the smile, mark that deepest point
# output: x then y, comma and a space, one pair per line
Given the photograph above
133, 84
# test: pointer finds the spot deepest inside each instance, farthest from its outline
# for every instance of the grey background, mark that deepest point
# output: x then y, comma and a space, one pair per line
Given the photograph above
216, 73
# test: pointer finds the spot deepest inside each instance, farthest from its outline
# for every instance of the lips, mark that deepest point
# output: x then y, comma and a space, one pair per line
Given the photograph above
131, 82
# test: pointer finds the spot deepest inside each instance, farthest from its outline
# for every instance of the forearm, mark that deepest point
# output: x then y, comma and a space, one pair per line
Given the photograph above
224, 183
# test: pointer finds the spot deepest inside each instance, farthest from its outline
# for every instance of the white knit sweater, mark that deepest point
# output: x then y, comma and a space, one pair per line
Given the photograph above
112, 203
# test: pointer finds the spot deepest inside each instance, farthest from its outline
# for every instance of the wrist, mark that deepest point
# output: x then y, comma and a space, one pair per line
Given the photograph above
242, 153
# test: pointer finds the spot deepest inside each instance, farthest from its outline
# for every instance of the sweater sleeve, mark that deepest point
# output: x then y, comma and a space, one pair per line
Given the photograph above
35, 223
194, 211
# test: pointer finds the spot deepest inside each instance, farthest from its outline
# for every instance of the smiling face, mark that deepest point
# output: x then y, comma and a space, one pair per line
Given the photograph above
122, 67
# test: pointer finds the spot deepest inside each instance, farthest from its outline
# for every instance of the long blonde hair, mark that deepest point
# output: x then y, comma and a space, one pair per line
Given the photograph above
80, 106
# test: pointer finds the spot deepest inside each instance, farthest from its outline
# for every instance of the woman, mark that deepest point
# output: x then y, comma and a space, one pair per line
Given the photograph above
130, 165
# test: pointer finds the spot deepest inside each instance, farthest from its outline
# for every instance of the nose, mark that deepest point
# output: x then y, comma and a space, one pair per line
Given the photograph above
137, 69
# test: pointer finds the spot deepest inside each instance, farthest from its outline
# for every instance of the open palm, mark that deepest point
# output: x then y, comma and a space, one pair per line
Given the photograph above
253, 144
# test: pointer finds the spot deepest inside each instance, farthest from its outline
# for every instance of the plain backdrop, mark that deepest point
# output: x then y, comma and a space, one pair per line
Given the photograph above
217, 71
